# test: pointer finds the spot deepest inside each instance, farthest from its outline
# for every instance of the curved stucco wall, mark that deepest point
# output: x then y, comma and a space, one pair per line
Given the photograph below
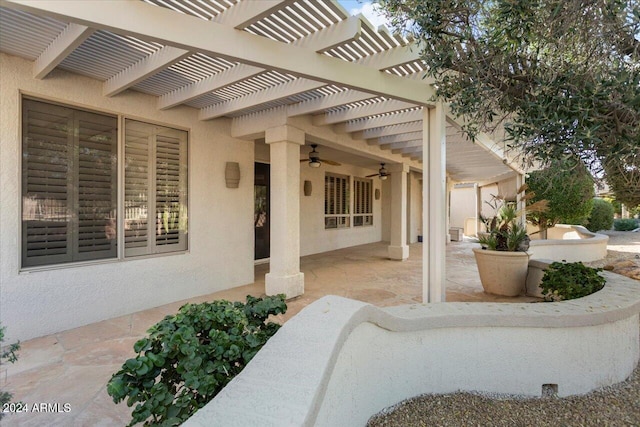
570, 243
340, 361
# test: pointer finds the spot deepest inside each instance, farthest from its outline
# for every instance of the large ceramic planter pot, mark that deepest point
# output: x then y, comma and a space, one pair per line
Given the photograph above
502, 273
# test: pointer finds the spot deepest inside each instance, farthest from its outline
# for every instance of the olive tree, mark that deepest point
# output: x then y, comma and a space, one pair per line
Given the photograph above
561, 77
568, 189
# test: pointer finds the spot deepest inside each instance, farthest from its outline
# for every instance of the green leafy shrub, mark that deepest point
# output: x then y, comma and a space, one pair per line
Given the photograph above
190, 356
567, 185
7, 354
601, 217
625, 224
562, 281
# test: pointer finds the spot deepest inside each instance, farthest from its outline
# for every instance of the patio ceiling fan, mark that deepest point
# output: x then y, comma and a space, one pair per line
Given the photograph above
314, 158
382, 173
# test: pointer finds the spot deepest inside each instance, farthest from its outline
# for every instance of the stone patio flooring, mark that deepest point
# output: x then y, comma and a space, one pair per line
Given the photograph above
73, 367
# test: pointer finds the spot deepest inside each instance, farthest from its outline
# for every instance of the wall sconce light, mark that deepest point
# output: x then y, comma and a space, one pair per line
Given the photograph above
232, 174
307, 188
377, 194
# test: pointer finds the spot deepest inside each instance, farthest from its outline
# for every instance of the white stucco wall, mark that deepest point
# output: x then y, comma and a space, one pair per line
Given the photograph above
414, 210
569, 243
386, 210
340, 361
314, 238
464, 205
221, 231
485, 196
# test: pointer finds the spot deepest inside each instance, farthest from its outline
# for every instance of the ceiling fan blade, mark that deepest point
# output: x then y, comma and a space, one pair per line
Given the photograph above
330, 162
304, 160
371, 176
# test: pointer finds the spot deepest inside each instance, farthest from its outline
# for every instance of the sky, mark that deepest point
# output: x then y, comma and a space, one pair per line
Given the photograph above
365, 7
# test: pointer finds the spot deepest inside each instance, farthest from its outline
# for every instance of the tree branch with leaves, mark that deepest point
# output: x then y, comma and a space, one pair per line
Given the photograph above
562, 78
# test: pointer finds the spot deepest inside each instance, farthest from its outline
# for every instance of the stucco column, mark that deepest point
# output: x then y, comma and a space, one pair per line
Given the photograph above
398, 249
284, 275
434, 204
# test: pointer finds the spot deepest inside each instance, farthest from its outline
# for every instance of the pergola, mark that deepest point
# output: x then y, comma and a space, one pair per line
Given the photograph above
272, 67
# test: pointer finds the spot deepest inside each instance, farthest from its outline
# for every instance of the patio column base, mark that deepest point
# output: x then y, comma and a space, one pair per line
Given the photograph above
399, 253
292, 286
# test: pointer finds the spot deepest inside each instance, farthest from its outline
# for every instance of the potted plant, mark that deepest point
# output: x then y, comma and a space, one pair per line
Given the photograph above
503, 260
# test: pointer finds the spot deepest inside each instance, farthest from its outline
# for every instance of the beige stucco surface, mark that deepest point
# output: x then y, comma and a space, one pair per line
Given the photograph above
220, 254
339, 361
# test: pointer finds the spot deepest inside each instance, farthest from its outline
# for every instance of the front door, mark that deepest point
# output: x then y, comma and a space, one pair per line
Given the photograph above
261, 210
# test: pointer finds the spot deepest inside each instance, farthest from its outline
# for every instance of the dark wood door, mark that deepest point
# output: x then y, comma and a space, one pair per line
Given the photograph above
261, 210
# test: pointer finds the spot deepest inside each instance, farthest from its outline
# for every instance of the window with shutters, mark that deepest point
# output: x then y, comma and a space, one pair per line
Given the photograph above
155, 188
362, 205
336, 201
69, 191
70, 186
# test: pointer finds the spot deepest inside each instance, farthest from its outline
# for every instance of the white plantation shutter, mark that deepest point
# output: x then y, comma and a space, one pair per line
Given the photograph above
97, 186
336, 201
68, 184
137, 153
362, 205
155, 189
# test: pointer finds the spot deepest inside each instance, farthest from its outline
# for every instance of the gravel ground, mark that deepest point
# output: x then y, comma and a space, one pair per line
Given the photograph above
618, 405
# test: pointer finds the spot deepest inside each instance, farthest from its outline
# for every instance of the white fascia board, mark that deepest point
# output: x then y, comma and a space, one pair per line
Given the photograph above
67, 41
332, 36
354, 113
139, 19
325, 102
376, 122
143, 69
208, 84
319, 41
245, 13
407, 150
483, 140
275, 93
388, 130
400, 137
392, 57
405, 144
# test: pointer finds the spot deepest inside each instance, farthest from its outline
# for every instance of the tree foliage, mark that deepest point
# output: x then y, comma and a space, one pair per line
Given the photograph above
7, 354
561, 77
568, 189
601, 217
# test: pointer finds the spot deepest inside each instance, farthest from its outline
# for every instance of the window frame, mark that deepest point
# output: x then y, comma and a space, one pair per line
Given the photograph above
119, 183
362, 188
152, 248
336, 202
73, 144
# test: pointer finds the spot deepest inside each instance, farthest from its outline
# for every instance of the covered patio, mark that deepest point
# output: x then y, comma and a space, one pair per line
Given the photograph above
74, 366
244, 83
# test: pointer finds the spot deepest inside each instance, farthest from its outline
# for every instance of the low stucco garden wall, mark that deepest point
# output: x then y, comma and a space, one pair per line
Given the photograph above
570, 243
340, 361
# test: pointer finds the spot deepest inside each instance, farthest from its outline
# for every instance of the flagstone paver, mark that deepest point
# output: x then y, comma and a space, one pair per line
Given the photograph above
73, 367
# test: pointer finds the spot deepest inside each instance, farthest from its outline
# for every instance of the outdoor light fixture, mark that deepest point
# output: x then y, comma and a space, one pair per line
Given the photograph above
232, 174
307, 188
314, 158
382, 173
